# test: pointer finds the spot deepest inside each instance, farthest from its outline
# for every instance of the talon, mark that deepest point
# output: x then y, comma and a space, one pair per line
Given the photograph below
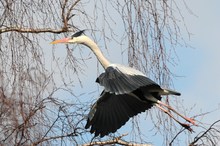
187, 126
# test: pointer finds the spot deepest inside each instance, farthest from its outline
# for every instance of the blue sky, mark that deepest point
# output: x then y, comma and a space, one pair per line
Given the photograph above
199, 67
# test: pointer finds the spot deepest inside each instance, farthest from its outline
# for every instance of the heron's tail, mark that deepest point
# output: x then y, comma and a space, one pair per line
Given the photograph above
172, 92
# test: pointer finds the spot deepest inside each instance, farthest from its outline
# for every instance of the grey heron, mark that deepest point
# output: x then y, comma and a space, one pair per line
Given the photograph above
126, 93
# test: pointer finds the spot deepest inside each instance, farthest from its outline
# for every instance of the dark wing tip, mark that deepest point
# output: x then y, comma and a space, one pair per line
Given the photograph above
79, 33
178, 94
88, 124
175, 93
97, 80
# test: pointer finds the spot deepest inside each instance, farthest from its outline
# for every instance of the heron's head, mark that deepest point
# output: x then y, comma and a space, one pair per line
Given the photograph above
75, 38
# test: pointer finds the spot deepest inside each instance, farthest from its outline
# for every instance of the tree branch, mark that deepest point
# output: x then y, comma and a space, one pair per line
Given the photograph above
203, 135
116, 140
52, 138
32, 30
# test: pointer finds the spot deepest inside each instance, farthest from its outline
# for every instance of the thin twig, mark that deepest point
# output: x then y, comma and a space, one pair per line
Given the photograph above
203, 135
32, 30
116, 140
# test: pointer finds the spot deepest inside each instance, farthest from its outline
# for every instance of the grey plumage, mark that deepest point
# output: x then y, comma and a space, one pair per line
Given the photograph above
127, 92
120, 79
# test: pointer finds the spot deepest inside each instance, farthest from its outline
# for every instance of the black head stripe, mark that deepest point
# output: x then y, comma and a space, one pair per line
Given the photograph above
79, 33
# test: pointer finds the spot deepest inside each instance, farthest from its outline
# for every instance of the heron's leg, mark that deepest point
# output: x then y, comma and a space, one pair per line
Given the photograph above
156, 101
190, 120
168, 113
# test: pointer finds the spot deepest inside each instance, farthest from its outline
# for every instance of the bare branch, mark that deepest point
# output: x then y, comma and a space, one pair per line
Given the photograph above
53, 138
32, 30
116, 140
38, 101
204, 134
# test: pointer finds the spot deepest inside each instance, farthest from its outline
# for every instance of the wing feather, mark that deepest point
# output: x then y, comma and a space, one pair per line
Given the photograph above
120, 79
112, 111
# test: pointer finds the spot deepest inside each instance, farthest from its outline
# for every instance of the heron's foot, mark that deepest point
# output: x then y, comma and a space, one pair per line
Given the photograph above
187, 126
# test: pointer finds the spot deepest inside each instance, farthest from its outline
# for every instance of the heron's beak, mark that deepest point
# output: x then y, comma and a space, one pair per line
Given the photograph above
64, 40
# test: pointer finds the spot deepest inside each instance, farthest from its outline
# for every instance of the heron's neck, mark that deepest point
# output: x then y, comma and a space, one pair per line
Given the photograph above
95, 49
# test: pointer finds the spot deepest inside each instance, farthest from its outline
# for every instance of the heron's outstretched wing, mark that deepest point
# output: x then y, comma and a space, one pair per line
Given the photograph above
112, 111
120, 79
